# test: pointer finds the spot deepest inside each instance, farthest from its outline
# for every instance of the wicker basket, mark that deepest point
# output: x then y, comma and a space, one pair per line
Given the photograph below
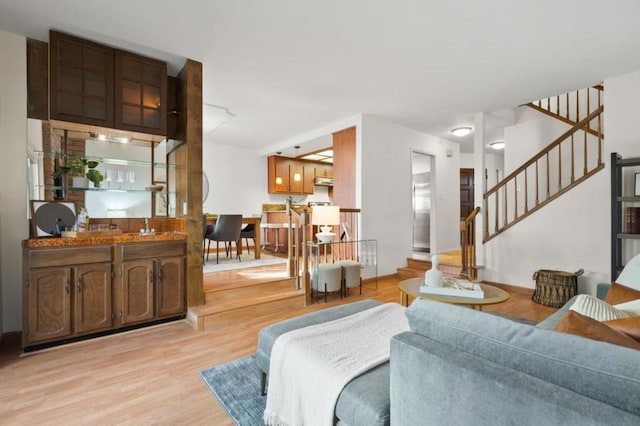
555, 288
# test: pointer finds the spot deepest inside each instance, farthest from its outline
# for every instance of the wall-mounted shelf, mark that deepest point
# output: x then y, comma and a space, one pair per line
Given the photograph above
104, 160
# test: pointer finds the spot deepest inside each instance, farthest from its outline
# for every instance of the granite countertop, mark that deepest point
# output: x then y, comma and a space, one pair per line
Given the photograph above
110, 239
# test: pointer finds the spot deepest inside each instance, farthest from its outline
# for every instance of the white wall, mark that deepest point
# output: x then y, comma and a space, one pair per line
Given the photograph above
385, 190
493, 162
13, 173
573, 231
237, 179
532, 132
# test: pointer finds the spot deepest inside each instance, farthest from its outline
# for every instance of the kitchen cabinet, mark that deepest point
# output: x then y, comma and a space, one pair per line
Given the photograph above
81, 291
140, 93
324, 170
67, 292
48, 298
92, 307
625, 211
289, 176
153, 283
81, 80
170, 286
97, 85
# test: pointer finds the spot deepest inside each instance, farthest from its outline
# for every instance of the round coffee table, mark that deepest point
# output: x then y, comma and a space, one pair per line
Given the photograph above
492, 295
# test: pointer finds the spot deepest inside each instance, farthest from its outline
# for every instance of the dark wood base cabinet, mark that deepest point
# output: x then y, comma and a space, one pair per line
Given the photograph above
71, 293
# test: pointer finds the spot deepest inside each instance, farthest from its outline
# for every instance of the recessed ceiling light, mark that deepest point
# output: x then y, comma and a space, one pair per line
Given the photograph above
461, 131
497, 145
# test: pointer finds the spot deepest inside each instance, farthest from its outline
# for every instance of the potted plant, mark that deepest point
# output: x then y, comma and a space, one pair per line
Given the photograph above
77, 169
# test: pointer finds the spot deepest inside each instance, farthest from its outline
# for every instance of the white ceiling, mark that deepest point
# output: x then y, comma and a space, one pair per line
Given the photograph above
286, 67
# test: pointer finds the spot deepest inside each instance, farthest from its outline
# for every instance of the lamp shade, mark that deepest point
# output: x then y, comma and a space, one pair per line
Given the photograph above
325, 215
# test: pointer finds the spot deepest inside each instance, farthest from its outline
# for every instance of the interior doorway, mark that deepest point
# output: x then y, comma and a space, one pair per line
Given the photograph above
466, 192
421, 172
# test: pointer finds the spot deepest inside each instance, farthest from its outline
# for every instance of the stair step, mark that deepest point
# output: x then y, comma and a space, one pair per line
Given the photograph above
405, 273
224, 294
420, 264
215, 317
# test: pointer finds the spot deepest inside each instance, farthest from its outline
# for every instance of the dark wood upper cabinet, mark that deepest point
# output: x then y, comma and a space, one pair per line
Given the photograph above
80, 80
140, 93
37, 79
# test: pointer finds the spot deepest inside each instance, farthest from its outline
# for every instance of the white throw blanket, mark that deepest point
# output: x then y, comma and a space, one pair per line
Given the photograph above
310, 366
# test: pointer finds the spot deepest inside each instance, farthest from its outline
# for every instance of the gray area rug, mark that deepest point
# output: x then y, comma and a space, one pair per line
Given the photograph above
248, 261
236, 385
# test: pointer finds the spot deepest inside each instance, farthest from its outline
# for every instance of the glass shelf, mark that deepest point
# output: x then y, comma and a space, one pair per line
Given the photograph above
101, 189
104, 160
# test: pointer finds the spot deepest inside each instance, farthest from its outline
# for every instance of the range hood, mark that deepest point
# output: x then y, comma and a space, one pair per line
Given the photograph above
323, 181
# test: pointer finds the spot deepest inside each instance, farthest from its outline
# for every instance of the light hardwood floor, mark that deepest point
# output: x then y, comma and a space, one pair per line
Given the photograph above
150, 376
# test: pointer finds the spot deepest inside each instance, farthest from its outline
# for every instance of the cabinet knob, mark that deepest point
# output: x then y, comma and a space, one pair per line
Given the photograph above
66, 285
78, 285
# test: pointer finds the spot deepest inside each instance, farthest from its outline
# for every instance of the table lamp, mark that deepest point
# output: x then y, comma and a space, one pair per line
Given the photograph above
325, 217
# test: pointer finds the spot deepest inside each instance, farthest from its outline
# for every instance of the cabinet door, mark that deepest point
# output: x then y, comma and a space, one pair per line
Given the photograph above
92, 297
278, 175
136, 294
140, 93
49, 296
170, 292
324, 170
81, 80
296, 177
308, 177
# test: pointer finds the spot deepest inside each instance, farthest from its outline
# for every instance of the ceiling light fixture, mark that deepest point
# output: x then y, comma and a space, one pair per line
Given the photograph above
497, 145
461, 131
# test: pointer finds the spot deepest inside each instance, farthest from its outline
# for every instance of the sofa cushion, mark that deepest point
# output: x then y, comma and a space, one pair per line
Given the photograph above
595, 308
630, 275
581, 325
619, 293
365, 399
601, 371
629, 326
269, 334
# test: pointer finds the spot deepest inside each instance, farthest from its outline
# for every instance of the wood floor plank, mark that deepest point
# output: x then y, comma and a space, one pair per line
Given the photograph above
150, 375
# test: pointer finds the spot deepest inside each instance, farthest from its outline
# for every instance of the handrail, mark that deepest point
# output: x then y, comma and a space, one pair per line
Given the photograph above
299, 242
546, 150
467, 244
559, 107
511, 198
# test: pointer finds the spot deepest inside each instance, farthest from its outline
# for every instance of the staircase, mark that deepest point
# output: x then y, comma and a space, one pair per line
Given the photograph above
567, 161
417, 267
243, 300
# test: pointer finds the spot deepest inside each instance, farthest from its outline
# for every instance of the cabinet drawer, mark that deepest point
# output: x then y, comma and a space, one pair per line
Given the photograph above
39, 258
153, 250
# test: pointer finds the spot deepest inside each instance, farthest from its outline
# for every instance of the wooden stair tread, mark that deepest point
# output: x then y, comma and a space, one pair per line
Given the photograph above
244, 283
238, 304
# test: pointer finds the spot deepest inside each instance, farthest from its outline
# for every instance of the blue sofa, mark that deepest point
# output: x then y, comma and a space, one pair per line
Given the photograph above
458, 366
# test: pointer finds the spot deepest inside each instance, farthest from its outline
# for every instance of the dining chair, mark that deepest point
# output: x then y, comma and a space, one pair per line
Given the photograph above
247, 232
227, 230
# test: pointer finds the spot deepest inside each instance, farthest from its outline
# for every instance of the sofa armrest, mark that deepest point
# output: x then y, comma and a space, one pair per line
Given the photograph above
434, 383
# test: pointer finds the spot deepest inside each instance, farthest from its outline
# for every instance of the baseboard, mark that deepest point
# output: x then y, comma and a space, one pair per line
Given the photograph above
9, 338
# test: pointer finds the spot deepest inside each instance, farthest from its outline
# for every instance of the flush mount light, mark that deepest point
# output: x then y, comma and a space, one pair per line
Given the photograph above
497, 145
461, 131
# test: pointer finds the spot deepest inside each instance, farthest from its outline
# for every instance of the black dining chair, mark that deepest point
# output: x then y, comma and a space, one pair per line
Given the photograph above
247, 232
206, 230
227, 230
